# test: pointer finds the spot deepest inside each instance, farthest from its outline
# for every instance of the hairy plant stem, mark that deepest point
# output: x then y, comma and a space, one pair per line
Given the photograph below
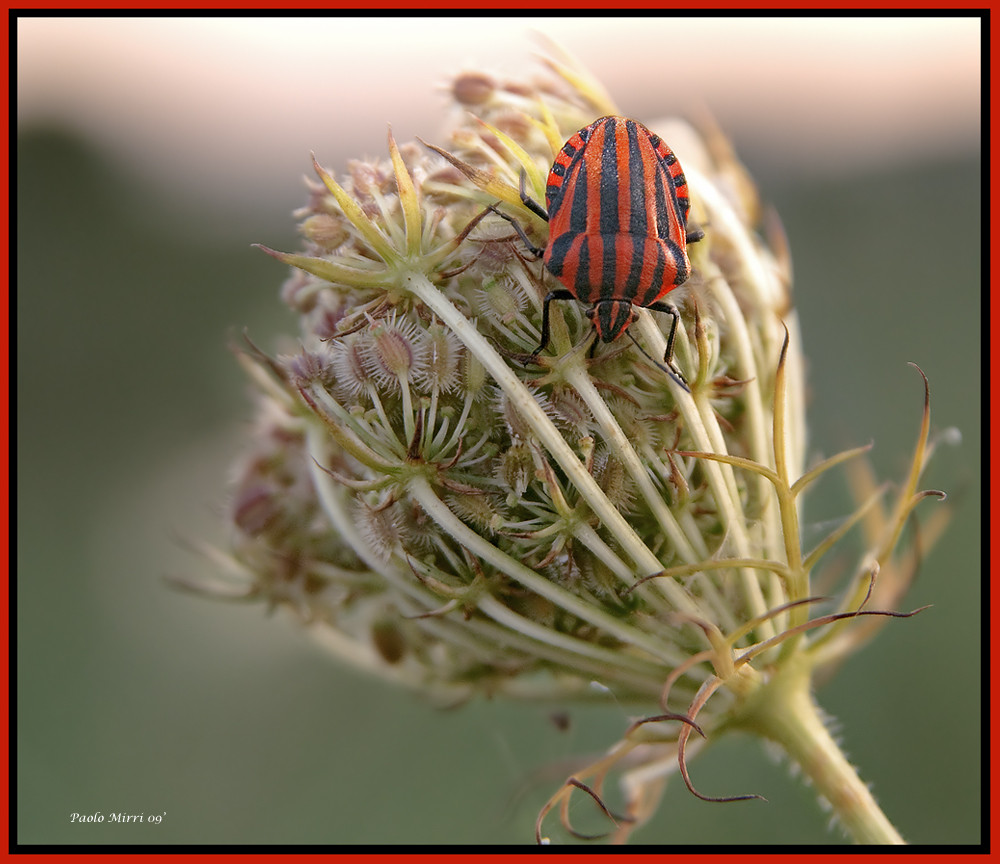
783, 711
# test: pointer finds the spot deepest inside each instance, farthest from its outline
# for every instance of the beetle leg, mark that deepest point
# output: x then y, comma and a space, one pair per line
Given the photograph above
593, 345
668, 355
671, 310
552, 295
534, 250
529, 202
694, 235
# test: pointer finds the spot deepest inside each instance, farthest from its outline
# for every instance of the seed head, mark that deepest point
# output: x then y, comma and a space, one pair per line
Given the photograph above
471, 515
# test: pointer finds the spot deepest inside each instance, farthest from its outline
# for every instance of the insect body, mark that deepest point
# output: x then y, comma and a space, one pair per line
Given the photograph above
617, 207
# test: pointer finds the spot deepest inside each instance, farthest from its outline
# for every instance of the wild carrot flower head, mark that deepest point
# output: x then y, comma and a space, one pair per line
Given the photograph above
453, 513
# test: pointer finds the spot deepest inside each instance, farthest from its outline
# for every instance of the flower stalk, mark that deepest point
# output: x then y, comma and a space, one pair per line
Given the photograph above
454, 511
792, 720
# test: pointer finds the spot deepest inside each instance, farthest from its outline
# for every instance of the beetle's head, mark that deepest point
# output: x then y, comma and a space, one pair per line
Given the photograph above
611, 318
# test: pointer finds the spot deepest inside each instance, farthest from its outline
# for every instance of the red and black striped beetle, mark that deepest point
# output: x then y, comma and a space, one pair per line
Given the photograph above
617, 207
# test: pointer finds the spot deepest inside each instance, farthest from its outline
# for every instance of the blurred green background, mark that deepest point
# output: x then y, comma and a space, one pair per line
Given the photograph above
134, 698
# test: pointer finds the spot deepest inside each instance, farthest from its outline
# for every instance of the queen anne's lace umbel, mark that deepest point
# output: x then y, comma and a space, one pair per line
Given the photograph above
449, 513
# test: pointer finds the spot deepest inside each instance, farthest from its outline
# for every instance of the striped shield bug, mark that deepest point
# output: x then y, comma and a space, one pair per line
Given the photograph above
617, 207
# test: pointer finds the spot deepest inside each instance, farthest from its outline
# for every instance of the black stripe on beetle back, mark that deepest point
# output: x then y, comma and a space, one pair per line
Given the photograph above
556, 251
667, 158
683, 202
638, 218
610, 182
562, 167
584, 136
553, 191
654, 287
575, 185
581, 284
633, 282
665, 198
666, 155
680, 263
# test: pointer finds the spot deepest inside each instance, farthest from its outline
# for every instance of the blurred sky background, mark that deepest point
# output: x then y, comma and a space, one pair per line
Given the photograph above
151, 153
